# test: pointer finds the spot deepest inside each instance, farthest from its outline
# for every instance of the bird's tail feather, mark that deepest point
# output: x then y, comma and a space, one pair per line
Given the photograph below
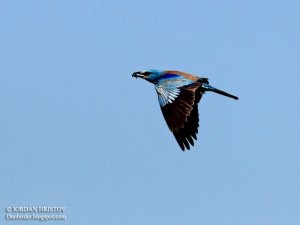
207, 87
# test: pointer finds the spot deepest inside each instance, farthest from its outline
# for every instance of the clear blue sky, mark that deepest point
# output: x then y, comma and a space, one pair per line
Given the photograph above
78, 131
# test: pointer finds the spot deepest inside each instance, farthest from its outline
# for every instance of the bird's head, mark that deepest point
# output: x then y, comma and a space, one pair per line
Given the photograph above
149, 75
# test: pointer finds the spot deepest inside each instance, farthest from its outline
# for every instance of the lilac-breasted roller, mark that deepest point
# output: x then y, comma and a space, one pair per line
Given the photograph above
178, 95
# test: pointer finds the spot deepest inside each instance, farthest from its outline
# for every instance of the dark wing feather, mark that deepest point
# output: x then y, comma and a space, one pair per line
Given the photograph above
182, 115
185, 136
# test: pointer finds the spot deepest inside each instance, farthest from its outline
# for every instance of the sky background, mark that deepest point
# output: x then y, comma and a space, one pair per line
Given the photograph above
78, 131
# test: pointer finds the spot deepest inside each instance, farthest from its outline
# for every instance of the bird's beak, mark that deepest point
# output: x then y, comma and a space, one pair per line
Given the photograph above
137, 74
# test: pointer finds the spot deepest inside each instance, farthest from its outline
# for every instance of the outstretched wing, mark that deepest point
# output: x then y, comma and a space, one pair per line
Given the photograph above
184, 136
179, 106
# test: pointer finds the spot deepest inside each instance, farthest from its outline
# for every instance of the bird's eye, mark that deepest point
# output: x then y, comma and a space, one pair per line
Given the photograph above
147, 73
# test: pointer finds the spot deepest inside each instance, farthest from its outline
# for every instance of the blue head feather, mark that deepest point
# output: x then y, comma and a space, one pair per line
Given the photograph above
156, 76
153, 76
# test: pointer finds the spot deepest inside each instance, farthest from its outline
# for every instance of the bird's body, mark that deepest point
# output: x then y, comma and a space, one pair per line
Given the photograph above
178, 96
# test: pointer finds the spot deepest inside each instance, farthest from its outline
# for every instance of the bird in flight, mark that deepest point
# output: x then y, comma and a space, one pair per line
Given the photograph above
178, 96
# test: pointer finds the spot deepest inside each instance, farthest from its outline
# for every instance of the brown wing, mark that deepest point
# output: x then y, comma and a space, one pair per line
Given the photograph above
182, 115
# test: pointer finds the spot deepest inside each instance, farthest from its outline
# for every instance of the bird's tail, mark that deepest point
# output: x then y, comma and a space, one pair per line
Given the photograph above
207, 87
